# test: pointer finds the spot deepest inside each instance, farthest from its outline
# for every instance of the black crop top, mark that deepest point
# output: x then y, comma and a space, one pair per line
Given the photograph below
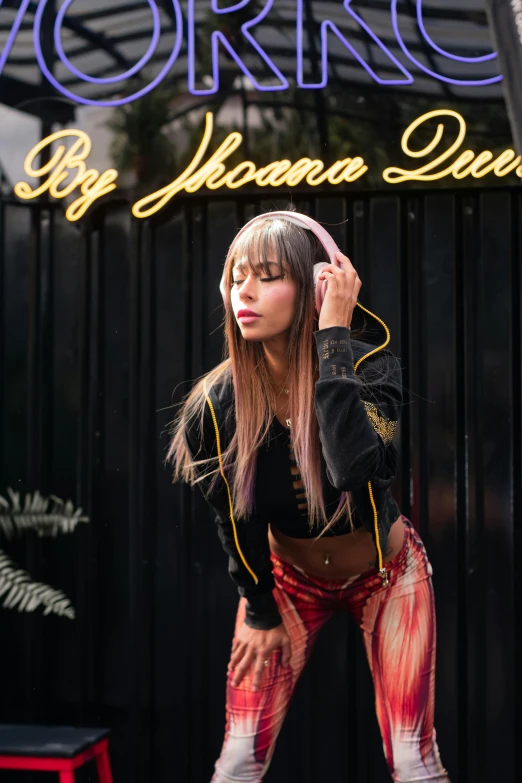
278, 500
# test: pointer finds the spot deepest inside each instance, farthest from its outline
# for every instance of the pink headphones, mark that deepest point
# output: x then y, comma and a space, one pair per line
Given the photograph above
322, 235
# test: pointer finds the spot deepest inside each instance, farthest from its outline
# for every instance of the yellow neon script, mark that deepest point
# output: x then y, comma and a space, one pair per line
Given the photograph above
213, 174
465, 165
65, 163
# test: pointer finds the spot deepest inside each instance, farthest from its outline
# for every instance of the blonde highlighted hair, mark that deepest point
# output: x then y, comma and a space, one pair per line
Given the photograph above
296, 250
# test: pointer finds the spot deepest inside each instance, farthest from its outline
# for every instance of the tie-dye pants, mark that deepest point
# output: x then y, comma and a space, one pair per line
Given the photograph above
398, 626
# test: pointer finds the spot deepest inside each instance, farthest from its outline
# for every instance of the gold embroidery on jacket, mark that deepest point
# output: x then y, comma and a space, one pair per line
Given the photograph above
325, 350
382, 426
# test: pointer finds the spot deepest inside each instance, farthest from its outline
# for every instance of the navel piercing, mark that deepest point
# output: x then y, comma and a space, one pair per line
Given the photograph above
327, 559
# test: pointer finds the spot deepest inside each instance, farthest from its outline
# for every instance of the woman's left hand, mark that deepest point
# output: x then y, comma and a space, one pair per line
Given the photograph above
341, 295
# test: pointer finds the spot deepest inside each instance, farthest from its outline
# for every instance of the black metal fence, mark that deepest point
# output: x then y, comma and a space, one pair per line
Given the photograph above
100, 324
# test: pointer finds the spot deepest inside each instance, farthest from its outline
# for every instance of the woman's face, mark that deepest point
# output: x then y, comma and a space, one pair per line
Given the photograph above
272, 298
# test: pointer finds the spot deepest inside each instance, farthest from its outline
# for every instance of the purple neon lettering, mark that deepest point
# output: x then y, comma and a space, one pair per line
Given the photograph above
14, 32
109, 79
228, 10
218, 37
434, 74
328, 25
420, 21
116, 102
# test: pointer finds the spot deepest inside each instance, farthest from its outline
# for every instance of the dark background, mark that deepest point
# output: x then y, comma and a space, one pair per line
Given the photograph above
104, 326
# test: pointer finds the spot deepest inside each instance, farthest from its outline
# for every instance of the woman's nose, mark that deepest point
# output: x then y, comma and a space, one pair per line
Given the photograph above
247, 288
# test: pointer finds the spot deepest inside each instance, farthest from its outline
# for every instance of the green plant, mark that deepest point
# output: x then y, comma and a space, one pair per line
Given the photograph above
140, 142
46, 517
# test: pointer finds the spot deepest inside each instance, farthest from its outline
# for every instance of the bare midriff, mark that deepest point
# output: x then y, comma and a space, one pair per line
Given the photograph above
348, 555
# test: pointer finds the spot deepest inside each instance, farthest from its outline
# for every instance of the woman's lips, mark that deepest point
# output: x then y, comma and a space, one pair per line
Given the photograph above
248, 319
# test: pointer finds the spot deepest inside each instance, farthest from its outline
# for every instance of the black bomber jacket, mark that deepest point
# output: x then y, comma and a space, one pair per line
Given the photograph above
357, 415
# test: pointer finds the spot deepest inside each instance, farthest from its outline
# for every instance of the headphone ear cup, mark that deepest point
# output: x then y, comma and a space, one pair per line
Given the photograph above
320, 286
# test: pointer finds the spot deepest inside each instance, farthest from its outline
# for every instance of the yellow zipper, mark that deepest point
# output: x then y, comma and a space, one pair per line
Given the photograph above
218, 443
383, 572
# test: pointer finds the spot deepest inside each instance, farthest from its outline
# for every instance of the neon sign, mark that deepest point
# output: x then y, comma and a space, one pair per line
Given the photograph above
467, 164
213, 173
275, 79
442, 52
62, 165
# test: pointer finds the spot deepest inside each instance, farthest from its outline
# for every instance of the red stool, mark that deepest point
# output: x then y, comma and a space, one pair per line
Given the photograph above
59, 749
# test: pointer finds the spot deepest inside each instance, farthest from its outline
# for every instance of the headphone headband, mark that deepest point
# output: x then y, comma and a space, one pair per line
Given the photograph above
304, 221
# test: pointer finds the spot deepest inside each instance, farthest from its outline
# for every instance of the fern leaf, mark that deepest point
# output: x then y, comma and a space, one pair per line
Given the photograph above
26, 596
46, 516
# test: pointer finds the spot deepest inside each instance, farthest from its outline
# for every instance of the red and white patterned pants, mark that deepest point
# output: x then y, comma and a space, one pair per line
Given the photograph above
398, 626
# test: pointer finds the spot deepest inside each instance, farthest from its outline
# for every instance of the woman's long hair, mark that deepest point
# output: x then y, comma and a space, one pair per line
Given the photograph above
296, 250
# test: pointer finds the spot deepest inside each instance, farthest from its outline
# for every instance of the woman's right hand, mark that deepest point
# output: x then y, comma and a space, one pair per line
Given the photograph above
252, 646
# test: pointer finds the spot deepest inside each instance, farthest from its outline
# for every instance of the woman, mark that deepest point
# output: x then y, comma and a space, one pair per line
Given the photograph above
290, 438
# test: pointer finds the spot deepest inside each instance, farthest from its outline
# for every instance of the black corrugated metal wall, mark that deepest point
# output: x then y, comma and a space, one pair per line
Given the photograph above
100, 323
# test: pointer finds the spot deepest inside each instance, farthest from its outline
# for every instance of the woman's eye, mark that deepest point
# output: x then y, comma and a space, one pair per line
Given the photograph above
263, 280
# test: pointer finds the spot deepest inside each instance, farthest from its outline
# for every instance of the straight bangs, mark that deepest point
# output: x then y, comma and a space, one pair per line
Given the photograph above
294, 249
258, 246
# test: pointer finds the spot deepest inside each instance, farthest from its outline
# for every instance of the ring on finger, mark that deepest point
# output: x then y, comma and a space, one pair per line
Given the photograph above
266, 663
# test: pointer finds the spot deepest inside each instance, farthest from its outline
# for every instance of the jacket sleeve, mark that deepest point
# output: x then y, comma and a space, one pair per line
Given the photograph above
357, 414
261, 611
